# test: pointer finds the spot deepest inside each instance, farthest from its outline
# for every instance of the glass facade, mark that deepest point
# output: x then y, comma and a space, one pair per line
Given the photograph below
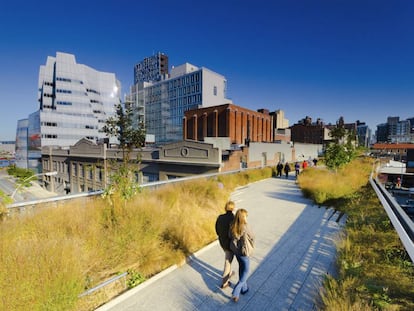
75, 101
21, 143
160, 105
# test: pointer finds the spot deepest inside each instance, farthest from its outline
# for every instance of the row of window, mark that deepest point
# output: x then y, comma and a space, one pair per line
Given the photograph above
85, 171
71, 113
195, 77
63, 91
63, 103
54, 136
69, 80
48, 123
191, 89
93, 91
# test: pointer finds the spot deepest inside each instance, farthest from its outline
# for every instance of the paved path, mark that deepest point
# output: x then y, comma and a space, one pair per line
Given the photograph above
294, 250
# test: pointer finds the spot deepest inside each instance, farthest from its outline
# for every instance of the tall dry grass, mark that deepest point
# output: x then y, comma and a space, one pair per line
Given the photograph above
322, 184
374, 270
47, 259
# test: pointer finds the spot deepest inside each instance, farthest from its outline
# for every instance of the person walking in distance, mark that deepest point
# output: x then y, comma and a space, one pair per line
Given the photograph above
242, 244
297, 168
287, 169
279, 168
222, 229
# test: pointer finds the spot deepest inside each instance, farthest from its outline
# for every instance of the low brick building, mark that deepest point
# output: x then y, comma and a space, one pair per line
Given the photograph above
241, 125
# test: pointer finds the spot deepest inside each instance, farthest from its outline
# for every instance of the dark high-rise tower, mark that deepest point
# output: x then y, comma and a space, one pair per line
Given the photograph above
151, 69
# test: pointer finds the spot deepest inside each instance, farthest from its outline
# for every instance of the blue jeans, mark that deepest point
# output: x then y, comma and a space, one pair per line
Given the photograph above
244, 267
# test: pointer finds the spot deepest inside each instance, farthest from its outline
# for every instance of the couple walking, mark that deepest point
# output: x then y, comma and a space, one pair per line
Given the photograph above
236, 239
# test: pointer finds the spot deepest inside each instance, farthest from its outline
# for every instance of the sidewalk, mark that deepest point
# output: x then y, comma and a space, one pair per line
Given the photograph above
294, 251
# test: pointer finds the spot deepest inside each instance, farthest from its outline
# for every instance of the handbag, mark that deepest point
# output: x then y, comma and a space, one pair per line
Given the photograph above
247, 246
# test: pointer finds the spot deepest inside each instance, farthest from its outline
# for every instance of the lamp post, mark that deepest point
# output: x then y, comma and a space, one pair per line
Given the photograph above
30, 177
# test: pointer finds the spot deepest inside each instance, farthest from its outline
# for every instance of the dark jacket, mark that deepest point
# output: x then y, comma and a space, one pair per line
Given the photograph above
222, 229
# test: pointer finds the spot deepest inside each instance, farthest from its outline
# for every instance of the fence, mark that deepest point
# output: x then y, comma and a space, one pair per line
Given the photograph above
399, 218
53, 201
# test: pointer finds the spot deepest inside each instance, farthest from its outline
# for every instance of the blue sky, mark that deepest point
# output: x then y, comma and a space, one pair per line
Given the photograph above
317, 58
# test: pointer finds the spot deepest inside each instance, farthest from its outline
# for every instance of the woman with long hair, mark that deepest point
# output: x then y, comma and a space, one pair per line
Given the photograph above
242, 242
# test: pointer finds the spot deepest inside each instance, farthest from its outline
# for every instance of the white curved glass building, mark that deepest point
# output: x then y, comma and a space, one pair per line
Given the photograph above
74, 102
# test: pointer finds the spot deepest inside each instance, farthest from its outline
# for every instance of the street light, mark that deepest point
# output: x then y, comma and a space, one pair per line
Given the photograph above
30, 177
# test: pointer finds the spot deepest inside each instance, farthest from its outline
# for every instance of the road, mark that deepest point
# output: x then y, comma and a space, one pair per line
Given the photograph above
35, 191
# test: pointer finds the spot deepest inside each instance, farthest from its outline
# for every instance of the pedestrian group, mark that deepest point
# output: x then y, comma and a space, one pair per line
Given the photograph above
237, 240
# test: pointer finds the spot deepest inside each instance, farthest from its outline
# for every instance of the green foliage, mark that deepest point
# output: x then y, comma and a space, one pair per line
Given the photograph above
341, 150
337, 156
134, 278
124, 179
19, 173
121, 127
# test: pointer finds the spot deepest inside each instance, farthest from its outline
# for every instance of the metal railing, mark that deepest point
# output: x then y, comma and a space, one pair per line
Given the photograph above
103, 284
22, 206
398, 217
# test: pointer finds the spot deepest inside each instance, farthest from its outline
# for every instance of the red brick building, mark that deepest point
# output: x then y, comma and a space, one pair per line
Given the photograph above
398, 151
241, 125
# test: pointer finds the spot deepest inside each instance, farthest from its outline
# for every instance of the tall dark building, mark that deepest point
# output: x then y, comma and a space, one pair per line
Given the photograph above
382, 133
151, 69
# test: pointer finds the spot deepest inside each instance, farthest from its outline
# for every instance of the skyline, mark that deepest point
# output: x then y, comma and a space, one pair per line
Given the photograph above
323, 59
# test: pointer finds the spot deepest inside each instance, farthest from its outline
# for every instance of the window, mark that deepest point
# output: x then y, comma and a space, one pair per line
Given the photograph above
215, 90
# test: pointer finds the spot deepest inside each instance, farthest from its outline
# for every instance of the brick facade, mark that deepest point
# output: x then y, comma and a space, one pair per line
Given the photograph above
240, 124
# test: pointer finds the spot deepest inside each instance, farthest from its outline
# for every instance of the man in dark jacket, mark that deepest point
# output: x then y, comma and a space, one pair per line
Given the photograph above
279, 168
222, 229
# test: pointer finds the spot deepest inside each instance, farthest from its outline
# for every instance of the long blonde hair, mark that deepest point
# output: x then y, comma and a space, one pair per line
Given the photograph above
239, 223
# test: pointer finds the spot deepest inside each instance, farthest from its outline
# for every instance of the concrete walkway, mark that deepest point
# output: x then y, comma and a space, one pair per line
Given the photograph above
294, 251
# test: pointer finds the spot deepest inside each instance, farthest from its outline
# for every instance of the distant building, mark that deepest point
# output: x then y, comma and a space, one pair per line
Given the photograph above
22, 143
281, 131
279, 121
87, 166
305, 131
396, 131
74, 102
151, 69
382, 133
241, 125
397, 151
160, 97
7, 153
363, 134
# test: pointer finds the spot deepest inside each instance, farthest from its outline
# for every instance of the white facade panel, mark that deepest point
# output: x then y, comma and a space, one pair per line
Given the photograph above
75, 100
214, 89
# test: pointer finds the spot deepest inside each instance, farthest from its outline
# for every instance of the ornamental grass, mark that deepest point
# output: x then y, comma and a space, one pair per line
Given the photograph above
52, 255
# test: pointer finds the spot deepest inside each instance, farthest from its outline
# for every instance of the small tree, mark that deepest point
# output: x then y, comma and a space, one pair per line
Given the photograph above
341, 150
123, 180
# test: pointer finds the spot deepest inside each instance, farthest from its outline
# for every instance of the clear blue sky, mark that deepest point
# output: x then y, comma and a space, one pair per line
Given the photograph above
321, 58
